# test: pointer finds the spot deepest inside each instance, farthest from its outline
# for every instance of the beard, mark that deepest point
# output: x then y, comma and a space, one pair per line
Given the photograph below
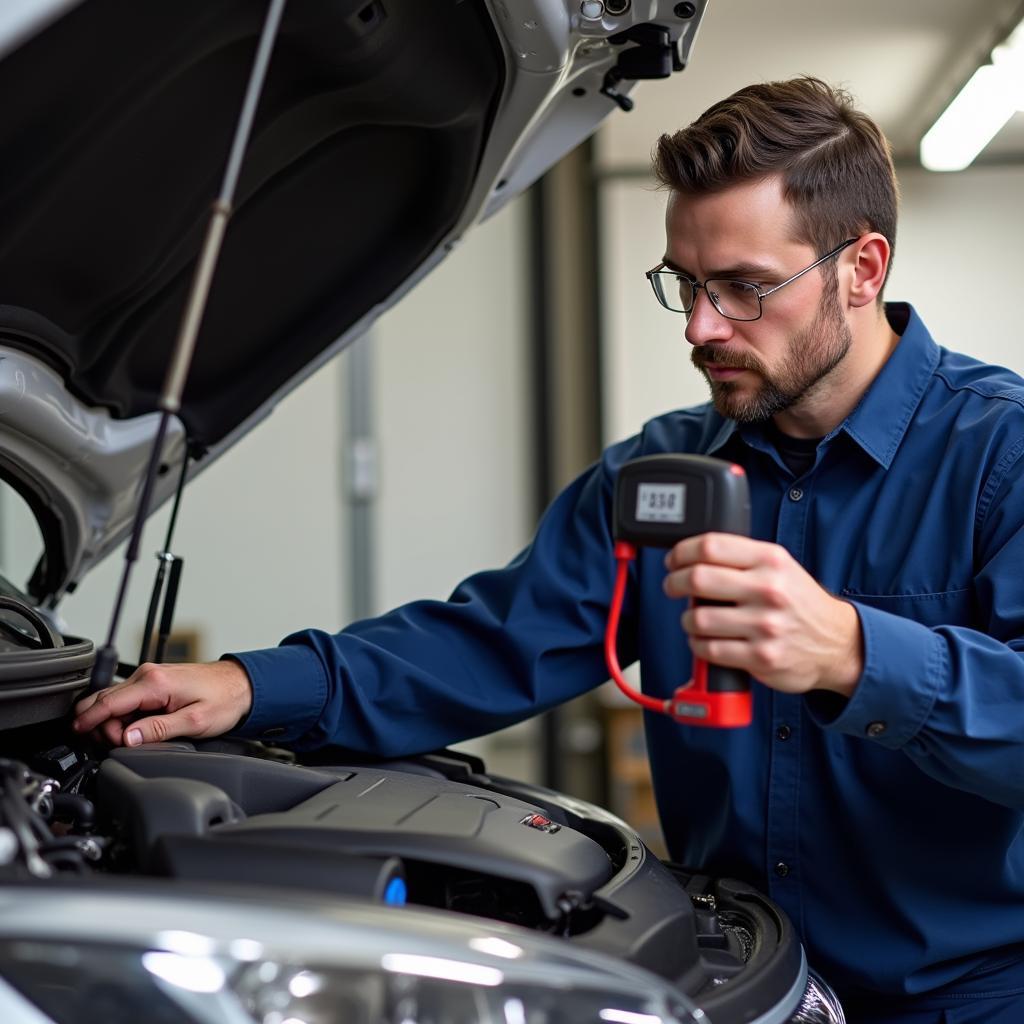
810, 356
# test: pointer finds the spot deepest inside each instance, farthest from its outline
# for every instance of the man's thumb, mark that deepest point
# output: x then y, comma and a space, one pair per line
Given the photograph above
158, 728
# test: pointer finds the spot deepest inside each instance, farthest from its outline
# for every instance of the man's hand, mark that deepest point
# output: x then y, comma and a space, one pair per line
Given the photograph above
785, 629
188, 700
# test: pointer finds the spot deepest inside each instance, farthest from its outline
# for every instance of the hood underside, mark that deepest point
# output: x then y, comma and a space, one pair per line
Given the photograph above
364, 151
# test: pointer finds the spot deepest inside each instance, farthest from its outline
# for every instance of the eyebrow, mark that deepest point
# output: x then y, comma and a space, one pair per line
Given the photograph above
739, 270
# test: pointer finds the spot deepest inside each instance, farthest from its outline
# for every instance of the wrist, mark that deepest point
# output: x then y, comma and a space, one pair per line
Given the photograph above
237, 688
844, 664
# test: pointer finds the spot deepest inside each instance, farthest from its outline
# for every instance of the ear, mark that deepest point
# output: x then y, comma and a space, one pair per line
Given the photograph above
869, 260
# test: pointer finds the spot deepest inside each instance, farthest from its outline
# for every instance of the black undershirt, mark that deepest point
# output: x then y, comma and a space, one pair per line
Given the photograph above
797, 453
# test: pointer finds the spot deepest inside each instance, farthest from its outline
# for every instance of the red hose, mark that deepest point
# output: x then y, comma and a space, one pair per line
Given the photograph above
624, 554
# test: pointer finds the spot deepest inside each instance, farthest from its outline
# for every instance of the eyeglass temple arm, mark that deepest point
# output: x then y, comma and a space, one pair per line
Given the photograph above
835, 252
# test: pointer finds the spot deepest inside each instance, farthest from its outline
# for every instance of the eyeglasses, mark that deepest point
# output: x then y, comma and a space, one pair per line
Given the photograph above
735, 300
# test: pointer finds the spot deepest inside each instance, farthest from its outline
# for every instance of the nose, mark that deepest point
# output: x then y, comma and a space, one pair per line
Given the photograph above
705, 324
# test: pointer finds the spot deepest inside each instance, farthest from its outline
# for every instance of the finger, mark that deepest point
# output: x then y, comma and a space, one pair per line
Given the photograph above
121, 700
727, 653
90, 700
185, 721
713, 582
111, 732
147, 671
89, 712
709, 621
85, 703
717, 548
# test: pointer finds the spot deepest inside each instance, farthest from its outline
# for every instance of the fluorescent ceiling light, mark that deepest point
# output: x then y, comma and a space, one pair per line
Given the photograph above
994, 93
1008, 60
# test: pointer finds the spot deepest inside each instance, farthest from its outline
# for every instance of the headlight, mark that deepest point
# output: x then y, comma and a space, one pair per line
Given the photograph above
76, 984
166, 956
819, 1005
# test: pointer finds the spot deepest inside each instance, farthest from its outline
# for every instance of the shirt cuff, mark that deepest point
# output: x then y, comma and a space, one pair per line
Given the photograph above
904, 665
283, 713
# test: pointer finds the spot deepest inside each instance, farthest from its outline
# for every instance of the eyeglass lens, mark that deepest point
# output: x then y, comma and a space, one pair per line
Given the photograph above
735, 299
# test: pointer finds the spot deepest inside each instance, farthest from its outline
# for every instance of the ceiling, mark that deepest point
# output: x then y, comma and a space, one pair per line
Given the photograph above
903, 60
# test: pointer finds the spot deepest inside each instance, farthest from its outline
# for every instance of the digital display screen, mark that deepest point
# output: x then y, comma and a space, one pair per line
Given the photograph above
661, 503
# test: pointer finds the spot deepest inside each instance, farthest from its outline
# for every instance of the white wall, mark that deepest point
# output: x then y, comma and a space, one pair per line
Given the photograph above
21, 543
645, 359
453, 415
958, 260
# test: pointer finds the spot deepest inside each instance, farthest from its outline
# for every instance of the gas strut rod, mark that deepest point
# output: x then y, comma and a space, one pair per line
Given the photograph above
185, 343
164, 558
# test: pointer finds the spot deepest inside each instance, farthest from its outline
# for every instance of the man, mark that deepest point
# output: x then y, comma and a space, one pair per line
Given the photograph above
879, 795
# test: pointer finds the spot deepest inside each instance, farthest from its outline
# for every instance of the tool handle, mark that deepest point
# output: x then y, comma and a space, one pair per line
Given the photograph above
722, 679
717, 695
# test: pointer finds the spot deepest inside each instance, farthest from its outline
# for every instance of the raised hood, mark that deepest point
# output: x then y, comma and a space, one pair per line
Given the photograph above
386, 128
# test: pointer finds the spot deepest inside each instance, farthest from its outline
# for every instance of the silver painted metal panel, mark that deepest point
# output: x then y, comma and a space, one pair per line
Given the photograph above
22, 19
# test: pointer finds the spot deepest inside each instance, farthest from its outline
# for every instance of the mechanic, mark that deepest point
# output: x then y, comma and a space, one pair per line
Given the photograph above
879, 795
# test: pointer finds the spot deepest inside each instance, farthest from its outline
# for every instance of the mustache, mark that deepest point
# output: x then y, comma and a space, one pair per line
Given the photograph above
721, 356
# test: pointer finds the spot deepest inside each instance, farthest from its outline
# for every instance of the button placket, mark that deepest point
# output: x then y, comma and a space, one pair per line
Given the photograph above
783, 803
782, 827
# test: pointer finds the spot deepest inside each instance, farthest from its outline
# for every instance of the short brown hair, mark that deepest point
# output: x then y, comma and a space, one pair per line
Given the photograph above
835, 163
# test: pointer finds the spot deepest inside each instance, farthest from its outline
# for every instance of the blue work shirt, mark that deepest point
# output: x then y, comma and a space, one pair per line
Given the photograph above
889, 827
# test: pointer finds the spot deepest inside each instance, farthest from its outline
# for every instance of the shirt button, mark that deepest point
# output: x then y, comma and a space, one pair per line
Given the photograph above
876, 728
783, 732
795, 494
781, 869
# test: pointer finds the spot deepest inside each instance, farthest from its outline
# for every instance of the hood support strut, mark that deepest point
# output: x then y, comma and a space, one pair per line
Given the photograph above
184, 347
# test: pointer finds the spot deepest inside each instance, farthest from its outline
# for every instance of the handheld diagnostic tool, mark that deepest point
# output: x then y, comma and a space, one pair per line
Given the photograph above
659, 500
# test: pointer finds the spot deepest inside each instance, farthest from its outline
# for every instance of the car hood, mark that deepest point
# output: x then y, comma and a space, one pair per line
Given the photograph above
385, 130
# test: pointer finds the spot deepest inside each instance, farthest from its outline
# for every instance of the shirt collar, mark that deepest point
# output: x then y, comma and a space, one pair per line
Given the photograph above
721, 438
880, 419
882, 416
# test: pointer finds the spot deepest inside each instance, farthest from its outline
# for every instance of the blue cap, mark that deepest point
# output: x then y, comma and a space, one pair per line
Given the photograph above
396, 892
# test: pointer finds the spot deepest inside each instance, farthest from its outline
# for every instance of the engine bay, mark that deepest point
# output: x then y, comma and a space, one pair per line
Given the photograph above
240, 814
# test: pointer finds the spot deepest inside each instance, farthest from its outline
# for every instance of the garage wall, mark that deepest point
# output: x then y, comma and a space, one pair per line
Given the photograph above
958, 260
453, 410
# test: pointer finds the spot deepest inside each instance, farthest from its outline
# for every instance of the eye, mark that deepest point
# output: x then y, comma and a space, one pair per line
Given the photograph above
738, 287
739, 300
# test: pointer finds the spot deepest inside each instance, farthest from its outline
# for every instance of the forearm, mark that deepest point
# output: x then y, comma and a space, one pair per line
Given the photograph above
422, 677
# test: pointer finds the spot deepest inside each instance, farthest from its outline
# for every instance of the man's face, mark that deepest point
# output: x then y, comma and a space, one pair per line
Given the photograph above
757, 368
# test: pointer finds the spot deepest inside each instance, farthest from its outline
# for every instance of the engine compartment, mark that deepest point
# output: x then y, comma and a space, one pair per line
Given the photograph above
240, 814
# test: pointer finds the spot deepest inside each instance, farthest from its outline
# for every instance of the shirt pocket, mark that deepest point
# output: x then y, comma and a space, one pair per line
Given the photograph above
954, 607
